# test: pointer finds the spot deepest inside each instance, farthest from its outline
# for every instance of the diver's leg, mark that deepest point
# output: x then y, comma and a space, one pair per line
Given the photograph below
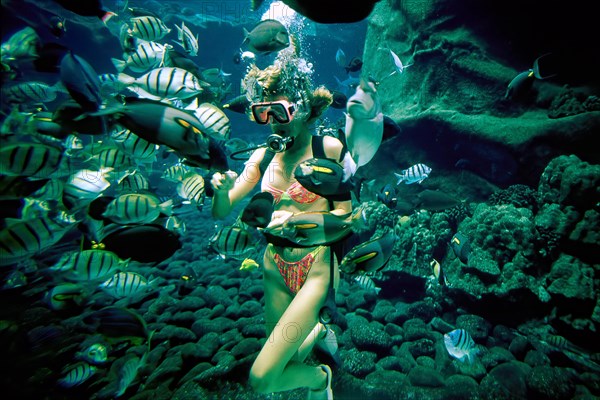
318, 332
277, 295
273, 371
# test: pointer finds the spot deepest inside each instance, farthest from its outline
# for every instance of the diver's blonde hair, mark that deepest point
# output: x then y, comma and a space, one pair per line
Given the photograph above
285, 79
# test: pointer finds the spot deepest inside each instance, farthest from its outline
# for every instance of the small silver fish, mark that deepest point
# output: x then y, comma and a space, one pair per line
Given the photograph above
187, 40
460, 345
126, 284
415, 174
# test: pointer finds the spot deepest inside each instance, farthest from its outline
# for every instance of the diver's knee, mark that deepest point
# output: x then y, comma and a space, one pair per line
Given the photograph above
260, 380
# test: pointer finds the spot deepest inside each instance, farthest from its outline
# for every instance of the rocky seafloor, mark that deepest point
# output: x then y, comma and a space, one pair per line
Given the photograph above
533, 273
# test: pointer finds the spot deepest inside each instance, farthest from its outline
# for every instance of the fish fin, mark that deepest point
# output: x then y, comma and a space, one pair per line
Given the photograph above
120, 65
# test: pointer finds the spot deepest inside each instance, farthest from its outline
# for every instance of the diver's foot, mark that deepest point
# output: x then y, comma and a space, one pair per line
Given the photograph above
323, 394
326, 349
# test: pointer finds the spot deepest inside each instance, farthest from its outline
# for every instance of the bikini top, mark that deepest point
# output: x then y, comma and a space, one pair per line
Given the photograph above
295, 192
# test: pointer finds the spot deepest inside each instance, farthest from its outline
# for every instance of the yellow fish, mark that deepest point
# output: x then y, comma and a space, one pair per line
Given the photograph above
249, 264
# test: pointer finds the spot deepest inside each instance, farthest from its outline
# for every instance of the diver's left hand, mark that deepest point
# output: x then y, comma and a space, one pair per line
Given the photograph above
278, 219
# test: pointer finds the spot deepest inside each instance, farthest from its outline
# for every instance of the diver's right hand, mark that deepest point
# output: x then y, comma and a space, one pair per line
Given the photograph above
223, 182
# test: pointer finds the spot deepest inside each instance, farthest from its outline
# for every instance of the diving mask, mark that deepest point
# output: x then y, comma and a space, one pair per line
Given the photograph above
281, 111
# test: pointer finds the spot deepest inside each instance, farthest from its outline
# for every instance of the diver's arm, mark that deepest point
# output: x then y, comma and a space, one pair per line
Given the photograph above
230, 189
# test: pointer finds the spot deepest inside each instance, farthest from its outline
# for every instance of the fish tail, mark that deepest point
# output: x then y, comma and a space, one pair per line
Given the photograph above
166, 207
120, 65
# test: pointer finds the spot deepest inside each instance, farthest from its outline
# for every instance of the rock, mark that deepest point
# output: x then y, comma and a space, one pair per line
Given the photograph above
219, 325
358, 363
415, 329
496, 356
426, 362
571, 279
246, 347
546, 382
462, 387
377, 385
170, 367
478, 328
423, 310
422, 347
190, 390
519, 346
536, 358
175, 334
191, 303
382, 309
208, 345
216, 295
441, 326
424, 376
368, 338
506, 381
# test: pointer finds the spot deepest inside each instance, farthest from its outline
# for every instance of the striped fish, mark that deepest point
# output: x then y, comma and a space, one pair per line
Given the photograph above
215, 122
176, 173
111, 157
29, 92
232, 241
90, 265
147, 55
164, 83
192, 188
85, 185
52, 190
23, 239
128, 373
415, 174
33, 160
109, 83
140, 149
366, 283
134, 183
175, 224
80, 373
148, 28
187, 40
135, 208
125, 284
460, 345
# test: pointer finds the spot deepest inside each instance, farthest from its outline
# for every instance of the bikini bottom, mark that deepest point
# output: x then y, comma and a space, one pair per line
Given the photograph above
294, 273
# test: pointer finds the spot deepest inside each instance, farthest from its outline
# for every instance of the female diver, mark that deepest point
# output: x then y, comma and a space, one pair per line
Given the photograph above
296, 280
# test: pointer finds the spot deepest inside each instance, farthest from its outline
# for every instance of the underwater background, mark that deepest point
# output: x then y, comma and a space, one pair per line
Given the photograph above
500, 240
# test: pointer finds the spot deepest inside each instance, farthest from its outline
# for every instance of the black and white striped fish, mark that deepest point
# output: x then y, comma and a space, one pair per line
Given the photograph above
175, 224
187, 40
191, 188
80, 373
136, 208
140, 149
90, 265
29, 92
126, 284
366, 283
164, 83
215, 122
147, 55
175, 173
415, 174
148, 28
52, 190
111, 157
85, 185
110, 84
232, 241
134, 183
23, 239
33, 160
460, 345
